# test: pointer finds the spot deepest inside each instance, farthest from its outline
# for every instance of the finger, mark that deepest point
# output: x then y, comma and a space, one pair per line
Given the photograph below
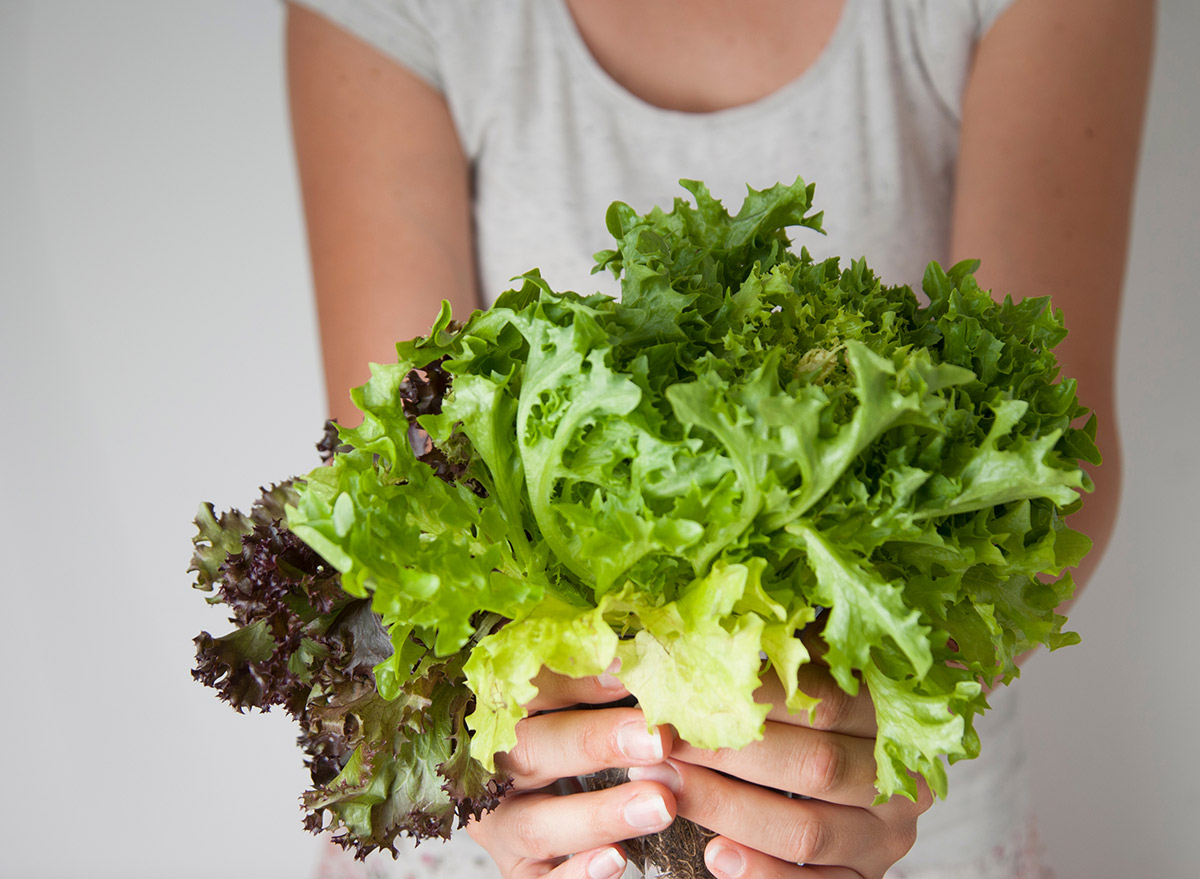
560, 691
543, 827
824, 765
906, 809
603, 863
811, 637
791, 830
837, 710
569, 743
727, 859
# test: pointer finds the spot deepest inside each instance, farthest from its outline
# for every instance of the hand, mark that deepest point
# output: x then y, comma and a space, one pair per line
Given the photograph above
766, 835
533, 830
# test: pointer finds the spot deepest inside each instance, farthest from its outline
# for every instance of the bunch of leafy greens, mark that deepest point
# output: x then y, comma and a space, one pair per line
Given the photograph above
304, 644
683, 480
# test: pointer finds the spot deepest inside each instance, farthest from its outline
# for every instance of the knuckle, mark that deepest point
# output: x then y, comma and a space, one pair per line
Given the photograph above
530, 835
806, 841
833, 711
599, 745
720, 758
710, 804
519, 761
924, 797
823, 766
902, 839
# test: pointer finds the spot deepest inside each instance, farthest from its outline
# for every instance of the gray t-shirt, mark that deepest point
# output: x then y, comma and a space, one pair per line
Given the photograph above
552, 140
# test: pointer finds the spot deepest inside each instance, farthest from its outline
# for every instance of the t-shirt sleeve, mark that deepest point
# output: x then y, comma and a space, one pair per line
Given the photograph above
400, 29
943, 37
986, 13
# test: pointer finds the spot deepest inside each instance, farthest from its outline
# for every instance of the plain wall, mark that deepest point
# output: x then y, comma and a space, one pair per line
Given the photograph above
159, 349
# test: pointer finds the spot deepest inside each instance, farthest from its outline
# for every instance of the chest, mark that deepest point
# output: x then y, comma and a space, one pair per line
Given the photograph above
752, 94
705, 55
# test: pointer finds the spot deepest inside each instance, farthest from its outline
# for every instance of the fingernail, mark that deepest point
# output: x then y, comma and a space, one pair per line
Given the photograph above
662, 773
637, 744
608, 679
607, 865
647, 812
724, 861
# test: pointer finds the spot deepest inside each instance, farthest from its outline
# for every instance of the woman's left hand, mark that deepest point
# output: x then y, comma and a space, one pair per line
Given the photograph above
837, 834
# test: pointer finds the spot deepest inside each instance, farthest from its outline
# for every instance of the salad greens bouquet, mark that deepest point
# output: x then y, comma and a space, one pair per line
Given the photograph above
683, 480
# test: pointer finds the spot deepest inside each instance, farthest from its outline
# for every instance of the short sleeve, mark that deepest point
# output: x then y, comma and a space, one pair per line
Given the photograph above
942, 38
400, 29
986, 13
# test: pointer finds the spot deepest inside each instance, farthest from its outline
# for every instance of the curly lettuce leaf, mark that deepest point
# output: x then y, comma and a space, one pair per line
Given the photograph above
681, 478
380, 767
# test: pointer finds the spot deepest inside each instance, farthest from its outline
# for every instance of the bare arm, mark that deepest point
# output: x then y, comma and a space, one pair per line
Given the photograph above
1051, 128
386, 194
386, 197
1052, 124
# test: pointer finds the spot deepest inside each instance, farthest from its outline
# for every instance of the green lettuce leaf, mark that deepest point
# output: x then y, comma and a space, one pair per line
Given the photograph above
749, 444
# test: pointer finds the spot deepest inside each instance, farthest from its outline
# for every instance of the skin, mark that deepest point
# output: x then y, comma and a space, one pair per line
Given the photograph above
387, 211
1051, 127
1072, 74
830, 760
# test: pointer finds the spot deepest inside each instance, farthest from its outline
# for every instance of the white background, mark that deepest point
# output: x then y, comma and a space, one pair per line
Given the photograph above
158, 349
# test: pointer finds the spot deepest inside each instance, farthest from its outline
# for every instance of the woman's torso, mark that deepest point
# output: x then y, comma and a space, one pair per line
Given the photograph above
559, 118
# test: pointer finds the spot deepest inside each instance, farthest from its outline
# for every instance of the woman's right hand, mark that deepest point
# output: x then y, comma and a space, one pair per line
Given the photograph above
535, 832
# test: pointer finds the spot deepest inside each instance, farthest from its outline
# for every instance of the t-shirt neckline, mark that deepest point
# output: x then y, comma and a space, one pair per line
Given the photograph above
627, 101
